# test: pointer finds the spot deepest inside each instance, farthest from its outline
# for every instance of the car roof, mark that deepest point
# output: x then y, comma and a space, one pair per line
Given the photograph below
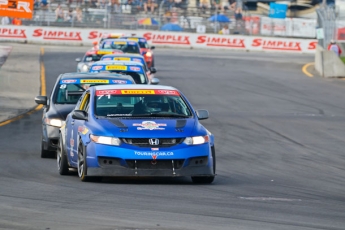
125, 37
159, 87
113, 62
125, 55
96, 76
118, 40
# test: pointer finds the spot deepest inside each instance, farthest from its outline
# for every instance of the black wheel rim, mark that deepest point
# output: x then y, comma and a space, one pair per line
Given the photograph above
81, 163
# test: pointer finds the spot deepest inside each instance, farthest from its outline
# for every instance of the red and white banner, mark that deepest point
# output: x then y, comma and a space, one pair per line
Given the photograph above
77, 36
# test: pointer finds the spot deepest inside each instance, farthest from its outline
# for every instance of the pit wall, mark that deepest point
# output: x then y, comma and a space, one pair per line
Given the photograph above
85, 37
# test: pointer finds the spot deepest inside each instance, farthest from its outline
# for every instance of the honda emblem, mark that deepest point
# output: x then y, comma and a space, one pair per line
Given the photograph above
154, 141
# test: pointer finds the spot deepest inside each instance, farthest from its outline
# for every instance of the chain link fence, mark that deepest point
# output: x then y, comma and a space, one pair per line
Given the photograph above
125, 14
326, 20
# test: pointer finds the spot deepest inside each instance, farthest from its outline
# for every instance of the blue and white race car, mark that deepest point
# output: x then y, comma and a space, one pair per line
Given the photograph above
132, 68
136, 130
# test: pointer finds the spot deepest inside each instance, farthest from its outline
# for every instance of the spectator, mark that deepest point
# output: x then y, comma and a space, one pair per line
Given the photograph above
137, 5
174, 15
204, 5
79, 15
5, 21
149, 4
238, 14
102, 4
17, 21
93, 3
169, 4
225, 30
216, 5
335, 48
59, 15
44, 4
115, 6
229, 5
167, 16
178, 3
68, 15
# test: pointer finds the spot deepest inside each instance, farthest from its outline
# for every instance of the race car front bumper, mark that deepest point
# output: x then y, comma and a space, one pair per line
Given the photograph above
175, 162
50, 137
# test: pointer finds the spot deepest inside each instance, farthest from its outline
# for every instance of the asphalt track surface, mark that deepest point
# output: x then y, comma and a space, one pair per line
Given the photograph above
279, 145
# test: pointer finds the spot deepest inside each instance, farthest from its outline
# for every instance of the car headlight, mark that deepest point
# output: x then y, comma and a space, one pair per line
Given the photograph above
148, 54
54, 122
196, 140
105, 140
85, 68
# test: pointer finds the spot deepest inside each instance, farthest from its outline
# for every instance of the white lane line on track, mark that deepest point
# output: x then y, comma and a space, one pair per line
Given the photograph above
269, 199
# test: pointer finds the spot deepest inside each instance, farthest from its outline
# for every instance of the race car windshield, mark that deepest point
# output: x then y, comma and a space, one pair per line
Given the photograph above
139, 78
143, 45
92, 58
126, 48
108, 105
69, 93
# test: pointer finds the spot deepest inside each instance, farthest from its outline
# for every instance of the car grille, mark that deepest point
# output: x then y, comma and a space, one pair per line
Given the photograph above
144, 142
155, 164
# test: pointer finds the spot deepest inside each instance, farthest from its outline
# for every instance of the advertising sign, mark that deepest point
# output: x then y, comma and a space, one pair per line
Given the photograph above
16, 8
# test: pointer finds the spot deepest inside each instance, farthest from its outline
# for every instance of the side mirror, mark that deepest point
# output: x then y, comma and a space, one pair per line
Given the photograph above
152, 47
154, 81
79, 115
78, 59
153, 70
41, 100
202, 114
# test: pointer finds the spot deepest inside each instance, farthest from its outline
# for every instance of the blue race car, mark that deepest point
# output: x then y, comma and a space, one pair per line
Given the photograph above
136, 130
132, 68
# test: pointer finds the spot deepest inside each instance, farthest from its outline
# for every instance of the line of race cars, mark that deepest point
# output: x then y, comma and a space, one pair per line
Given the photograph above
111, 118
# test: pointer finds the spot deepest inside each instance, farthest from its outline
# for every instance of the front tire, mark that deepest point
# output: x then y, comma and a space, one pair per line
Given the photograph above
82, 167
207, 179
44, 153
61, 158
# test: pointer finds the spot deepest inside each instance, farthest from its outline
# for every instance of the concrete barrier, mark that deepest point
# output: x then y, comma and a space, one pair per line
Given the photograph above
328, 64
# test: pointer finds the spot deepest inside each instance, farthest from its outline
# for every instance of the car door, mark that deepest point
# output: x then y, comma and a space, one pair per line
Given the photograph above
77, 126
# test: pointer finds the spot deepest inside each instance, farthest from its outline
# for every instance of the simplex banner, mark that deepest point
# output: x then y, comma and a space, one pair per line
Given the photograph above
78, 36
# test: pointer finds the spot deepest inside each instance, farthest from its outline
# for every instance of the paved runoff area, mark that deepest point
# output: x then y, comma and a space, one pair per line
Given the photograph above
19, 79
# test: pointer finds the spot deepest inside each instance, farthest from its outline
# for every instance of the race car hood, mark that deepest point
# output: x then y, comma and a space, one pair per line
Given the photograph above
142, 128
60, 110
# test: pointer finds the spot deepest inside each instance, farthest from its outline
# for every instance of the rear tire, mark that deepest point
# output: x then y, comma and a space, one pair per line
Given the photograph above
61, 158
207, 179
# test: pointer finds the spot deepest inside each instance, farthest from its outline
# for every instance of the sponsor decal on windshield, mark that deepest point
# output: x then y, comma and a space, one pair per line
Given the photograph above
104, 52
137, 60
133, 39
95, 81
119, 81
116, 67
121, 59
134, 68
120, 43
97, 67
139, 92
131, 43
68, 81
149, 125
